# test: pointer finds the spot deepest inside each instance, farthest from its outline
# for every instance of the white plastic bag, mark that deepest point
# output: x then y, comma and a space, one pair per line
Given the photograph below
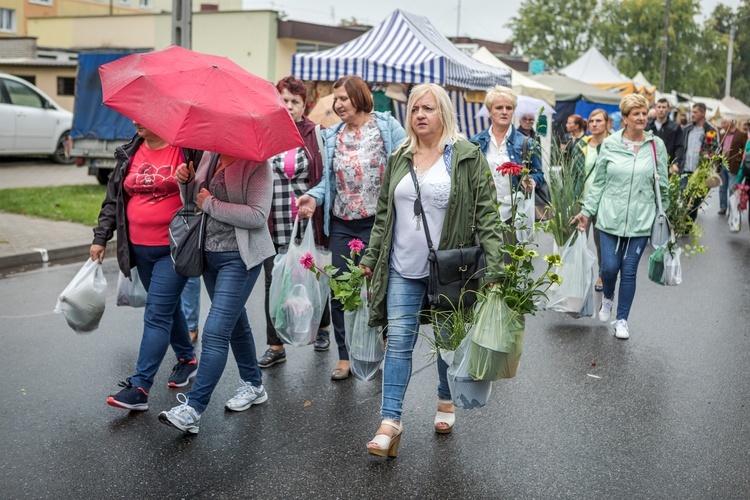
289, 281
734, 216
465, 391
578, 273
130, 292
525, 217
364, 343
83, 300
672, 268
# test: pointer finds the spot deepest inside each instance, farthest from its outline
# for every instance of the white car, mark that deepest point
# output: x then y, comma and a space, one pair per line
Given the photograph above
31, 123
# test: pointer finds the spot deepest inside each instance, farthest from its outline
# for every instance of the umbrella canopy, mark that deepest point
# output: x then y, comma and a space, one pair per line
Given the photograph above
200, 101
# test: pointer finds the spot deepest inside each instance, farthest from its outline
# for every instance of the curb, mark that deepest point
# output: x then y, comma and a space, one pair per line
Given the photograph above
53, 255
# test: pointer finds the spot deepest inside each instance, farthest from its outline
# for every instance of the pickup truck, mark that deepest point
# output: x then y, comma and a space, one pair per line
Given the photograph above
97, 130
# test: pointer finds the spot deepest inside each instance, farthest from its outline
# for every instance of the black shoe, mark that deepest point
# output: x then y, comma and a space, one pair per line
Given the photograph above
321, 341
271, 357
129, 398
182, 372
723, 211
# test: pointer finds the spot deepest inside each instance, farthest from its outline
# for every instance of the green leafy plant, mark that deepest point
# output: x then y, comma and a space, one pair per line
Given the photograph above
347, 286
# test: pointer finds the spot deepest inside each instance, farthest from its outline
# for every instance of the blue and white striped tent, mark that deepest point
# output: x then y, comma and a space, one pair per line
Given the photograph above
405, 48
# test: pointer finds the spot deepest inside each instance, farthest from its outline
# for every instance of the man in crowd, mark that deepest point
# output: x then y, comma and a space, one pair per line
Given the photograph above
697, 138
669, 132
733, 145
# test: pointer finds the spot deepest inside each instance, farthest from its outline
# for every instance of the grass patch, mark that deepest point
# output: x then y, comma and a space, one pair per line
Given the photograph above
69, 203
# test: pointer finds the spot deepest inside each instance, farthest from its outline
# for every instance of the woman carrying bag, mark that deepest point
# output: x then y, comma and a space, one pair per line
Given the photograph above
623, 199
237, 201
452, 177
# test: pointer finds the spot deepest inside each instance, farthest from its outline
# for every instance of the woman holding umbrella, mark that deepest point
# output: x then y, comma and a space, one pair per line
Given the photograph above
356, 151
294, 172
142, 197
237, 200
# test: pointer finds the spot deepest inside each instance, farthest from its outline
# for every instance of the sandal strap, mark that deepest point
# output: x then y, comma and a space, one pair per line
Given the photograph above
391, 423
445, 401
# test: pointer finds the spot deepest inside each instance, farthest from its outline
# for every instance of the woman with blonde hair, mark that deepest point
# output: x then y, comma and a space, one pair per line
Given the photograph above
623, 200
452, 180
583, 160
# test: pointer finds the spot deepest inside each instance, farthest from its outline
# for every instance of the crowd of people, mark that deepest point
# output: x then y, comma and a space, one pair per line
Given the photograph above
362, 179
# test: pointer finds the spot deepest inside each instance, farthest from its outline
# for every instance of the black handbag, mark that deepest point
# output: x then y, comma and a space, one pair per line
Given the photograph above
455, 273
187, 232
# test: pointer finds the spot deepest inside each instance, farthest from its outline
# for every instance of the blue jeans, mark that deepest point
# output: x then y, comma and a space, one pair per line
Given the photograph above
163, 321
621, 255
229, 284
404, 301
191, 302
726, 188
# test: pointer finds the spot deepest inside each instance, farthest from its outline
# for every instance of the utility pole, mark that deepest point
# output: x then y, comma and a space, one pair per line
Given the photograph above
182, 21
665, 42
730, 54
458, 20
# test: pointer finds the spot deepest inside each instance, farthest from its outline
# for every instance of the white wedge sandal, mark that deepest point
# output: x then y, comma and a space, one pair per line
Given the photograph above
386, 445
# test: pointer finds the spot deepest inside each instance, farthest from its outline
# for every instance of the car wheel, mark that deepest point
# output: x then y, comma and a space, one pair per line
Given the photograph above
59, 155
102, 175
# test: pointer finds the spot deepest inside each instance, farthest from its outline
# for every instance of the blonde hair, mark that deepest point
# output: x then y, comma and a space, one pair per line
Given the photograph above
446, 113
631, 101
500, 92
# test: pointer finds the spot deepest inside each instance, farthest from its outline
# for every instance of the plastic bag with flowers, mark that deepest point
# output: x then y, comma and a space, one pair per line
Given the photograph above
297, 298
363, 342
734, 217
578, 273
467, 393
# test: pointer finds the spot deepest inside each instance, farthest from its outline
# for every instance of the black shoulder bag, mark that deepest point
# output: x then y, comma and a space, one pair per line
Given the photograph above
187, 232
455, 273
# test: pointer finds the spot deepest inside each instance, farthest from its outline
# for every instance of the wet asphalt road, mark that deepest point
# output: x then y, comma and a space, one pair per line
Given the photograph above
666, 415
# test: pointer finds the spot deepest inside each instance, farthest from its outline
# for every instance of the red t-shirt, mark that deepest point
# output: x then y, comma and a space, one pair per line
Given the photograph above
154, 194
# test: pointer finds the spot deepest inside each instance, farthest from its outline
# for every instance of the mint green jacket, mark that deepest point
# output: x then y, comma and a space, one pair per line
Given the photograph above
622, 196
469, 169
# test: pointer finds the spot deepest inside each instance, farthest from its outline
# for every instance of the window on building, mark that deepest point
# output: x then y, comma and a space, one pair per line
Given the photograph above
66, 85
7, 21
29, 78
305, 47
145, 4
41, 2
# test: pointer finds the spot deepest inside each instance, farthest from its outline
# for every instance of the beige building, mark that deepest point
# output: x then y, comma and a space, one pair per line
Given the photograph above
256, 40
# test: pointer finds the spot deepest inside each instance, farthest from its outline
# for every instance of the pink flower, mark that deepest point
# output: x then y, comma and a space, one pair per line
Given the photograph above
356, 245
307, 261
510, 168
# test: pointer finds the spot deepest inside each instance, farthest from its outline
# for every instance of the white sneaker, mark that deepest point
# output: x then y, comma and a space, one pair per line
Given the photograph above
621, 329
606, 311
183, 417
246, 396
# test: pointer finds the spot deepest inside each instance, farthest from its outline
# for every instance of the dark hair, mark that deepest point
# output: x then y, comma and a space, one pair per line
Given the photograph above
294, 85
358, 92
700, 106
663, 99
579, 121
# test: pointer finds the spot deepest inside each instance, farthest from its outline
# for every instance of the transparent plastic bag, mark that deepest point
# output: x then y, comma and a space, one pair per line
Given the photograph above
578, 273
734, 216
525, 217
497, 340
672, 268
363, 342
130, 292
289, 279
83, 300
656, 266
466, 392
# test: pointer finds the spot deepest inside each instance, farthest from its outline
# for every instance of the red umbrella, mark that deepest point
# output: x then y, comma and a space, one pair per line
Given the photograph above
200, 101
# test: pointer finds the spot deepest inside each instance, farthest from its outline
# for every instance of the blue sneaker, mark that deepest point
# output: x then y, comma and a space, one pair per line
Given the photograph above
130, 397
182, 372
271, 357
182, 417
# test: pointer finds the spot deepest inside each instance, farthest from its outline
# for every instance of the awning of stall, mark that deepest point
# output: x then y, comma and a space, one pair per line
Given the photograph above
592, 67
522, 84
404, 48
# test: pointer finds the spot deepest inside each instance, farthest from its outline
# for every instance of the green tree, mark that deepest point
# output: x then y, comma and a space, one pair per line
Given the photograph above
557, 31
741, 61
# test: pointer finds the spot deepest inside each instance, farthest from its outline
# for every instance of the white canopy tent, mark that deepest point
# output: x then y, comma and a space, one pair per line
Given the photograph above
521, 84
592, 67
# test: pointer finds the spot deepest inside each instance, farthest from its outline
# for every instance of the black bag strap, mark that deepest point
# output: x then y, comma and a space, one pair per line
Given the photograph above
418, 203
189, 185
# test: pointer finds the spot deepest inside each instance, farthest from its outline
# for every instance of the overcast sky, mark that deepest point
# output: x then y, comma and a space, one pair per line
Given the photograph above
485, 19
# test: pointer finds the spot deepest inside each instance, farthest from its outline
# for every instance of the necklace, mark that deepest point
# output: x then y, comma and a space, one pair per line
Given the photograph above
417, 204
419, 164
